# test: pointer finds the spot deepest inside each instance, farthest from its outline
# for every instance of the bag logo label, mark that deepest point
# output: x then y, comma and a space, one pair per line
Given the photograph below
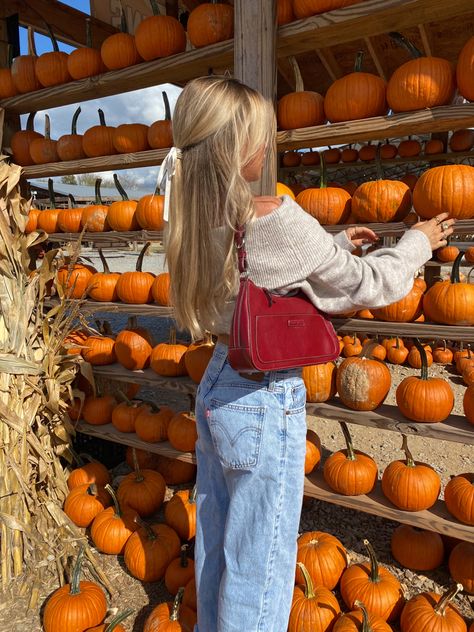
296, 323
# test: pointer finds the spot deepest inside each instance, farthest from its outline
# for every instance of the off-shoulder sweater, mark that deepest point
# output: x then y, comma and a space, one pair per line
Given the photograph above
288, 249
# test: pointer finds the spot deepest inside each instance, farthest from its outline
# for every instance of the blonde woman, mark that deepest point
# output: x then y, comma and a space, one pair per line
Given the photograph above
252, 428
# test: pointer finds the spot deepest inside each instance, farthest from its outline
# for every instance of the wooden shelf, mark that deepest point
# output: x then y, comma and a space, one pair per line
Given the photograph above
456, 428
110, 236
91, 307
435, 519
426, 331
440, 119
117, 372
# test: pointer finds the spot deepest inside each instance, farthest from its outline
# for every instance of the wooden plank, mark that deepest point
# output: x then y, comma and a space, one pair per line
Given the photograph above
438, 119
255, 37
426, 39
68, 24
367, 19
140, 236
396, 229
108, 432
117, 372
330, 63
175, 69
95, 307
435, 519
375, 58
456, 428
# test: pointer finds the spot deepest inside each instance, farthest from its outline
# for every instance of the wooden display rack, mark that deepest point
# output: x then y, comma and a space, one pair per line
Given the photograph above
254, 55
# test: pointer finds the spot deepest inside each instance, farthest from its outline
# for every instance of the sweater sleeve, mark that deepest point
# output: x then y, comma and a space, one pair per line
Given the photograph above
342, 240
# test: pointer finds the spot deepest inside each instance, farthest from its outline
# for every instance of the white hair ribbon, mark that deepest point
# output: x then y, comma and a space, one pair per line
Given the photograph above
165, 175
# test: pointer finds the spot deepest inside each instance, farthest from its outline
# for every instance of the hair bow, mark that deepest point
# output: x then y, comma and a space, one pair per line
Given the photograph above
165, 175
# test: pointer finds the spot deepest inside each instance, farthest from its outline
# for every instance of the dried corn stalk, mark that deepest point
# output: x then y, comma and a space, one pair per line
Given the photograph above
36, 538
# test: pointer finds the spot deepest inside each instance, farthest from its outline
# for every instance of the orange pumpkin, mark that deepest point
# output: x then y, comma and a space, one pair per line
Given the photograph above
149, 211
313, 452
69, 219
307, 8
349, 154
167, 359
431, 612
103, 285
23, 68
182, 431
407, 309
48, 218
284, 12
21, 141
320, 382
171, 616
434, 146
149, 551
360, 620
133, 346
151, 423
75, 279
445, 189
99, 350
44, 149
119, 50
97, 409
180, 513
179, 571
209, 23
300, 108
111, 528
161, 289
69, 146
129, 138
465, 70
312, 604
409, 148
160, 35
160, 133
323, 556
459, 498
51, 68
98, 140
197, 357
418, 549
363, 383
94, 216
85, 61
461, 565
135, 287
462, 140
88, 473
84, 502
142, 490
124, 416
121, 215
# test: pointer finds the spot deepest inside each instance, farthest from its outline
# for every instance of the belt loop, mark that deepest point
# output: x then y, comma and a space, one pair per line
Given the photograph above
271, 381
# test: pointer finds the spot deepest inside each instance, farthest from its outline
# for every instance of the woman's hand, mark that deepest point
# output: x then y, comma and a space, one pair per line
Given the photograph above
360, 235
437, 229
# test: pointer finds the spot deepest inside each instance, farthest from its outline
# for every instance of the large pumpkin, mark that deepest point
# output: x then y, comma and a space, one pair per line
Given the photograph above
445, 189
418, 549
149, 551
69, 146
320, 382
459, 497
465, 70
312, 608
324, 557
358, 95
430, 612
300, 108
210, 23
135, 287
159, 35
407, 309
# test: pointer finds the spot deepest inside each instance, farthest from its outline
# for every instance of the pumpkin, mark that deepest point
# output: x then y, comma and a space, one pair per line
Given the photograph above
415, 360
422, 82
189, 597
135, 287
133, 346
182, 431
51, 68
97, 409
450, 302
468, 403
469, 254
124, 416
434, 146
405, 310
310, 158
21, 141
375, 586
462, 140
88, 473
320, 381
388, 151
329, 205
398, 353
48, 219
103, 285
312, 608
175, 471
352, 346
98, 140
360, 621
409, 148
301, 108
332, 156
442, 354
410, 485
84, 502
170, 617
459, 497
160, 133
209, 23
313, 452
43, 149
94, 216
69, 219
23, 68
367, 152
119, 50
151, 423
179, 572
99, 350
76, 606
75, 279
149, 551
129, 138
161, 289
307, 8
180, 513
350, 472
7, 86
431, 612
291, 159
69, 146
142, 490
418, 549
461, 565
146, 460
349, 154
447, 253
85, 61
114, 625
283, 189
410, 179
197, 357
365, 314
324, 557
285, 12
160, 35
167, 359
149, 211
358, 95
448, 188
464, 70
112, 527
363, 383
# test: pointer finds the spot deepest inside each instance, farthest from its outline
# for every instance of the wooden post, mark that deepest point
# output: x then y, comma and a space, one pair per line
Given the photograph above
9, 123
255, 64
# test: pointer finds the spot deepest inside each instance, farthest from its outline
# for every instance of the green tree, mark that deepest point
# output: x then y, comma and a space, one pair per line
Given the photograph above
69, 179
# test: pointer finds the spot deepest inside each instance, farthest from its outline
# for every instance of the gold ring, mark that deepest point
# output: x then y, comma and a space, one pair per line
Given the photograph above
445, 225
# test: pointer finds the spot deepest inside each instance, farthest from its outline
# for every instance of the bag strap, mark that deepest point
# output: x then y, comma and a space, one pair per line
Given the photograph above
239, 240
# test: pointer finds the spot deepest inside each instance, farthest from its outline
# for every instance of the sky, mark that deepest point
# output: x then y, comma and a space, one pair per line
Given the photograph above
140, 106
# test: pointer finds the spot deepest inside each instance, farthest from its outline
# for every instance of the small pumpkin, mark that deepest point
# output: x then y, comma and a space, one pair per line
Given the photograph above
434, 146
160, 133
98, 140
51, 68
133, 346
367, 153
103, 285
84, 502
69, 219
85, 61
146, 460
114, 625
398, 353
324, 557
409, 148
169, 616
431, 612
111, 528
69, 146
197, 357
182, 431
119, 50
151, 423
462, 140
88, 473
388, 151
48, 219
447, 253
209, 23
94, 216
75, 279
175, 471
179, 571
349, 155
161, 289
292, 159
315, 604
360, 621
459, 498
130, 138
180, 513
442, 354
160, 35
97, 409
142, 490
167, 359
149, 550
124, 416
149, 211
307, 8
43, 149
320, 381
99, 350
20, 142
461, 565
313, 452
418, 549
301, 108
135, 287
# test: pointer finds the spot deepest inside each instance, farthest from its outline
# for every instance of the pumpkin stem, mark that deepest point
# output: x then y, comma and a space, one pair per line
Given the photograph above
71, 201
52, 197
192, 495
174, 616
88, 33
30, 121
31, 42
102, 117
374, 565
367, 349
167, 106
123, 22
365, 616
74, 121
455, 268
410, 460
52, 38
308, 582
154, 7
424, 360
121, 395
172, 338
76, 574
47, 127
109, 488
151, 535
445, 600
141, 255
120, 188
184, 557
348, 439
98, 198
405, 43
322, 172
139, 477
117, 620
358, 61
299, 85
104, 261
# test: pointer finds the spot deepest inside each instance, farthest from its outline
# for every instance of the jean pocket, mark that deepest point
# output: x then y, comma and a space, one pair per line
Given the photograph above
236, 431
298, 399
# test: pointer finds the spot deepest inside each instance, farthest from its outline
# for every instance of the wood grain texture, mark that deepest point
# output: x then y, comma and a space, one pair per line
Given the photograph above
435, 519
427, 331
117, 372
96, 307
110, 237
396, 229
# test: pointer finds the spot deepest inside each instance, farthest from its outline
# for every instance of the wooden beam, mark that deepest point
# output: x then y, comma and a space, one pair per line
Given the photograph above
67, 23
255, 64
286, 71
375, 58
330, 63
425, 38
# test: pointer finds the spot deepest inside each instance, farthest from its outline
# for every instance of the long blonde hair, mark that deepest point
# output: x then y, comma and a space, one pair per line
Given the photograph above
220, 125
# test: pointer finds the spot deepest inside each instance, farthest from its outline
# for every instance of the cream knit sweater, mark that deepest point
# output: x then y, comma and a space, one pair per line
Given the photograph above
289, 249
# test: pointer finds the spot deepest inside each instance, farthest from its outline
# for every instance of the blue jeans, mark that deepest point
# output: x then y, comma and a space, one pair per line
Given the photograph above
250, 454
